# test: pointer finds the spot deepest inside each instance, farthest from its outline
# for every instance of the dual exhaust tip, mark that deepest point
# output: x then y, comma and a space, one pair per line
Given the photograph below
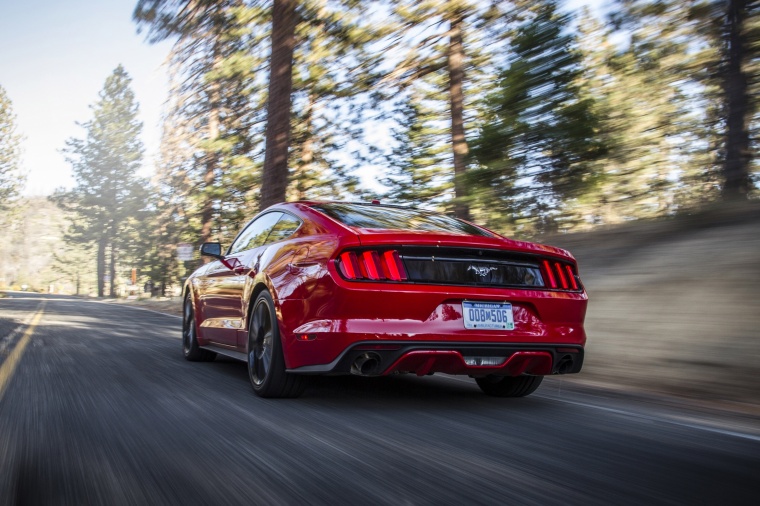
565, 364
366, 364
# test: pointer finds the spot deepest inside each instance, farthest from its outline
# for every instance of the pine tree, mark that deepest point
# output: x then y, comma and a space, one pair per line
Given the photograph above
449, 54
275, 172
738, 103
211, 122
11, 180
108, 191
333, 77
647, 123
537, 143
708, 50
320, 50
415, 175
323, 50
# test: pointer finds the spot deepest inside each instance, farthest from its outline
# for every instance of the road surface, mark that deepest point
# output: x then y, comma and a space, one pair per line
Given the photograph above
97, 406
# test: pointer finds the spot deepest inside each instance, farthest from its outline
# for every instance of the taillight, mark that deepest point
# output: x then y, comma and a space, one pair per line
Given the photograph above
560, 276
349, 266
396, 270
372, 265
571, 276
548, 271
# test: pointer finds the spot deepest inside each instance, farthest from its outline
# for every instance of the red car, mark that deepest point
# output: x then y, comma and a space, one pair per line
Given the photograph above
347, 288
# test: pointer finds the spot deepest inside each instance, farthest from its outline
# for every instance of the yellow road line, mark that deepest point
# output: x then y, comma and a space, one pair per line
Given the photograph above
9, 366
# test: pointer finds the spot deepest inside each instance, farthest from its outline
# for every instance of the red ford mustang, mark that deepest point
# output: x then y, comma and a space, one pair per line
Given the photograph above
347, 288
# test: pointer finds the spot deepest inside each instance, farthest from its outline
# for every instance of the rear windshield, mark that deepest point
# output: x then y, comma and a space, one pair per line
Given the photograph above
396, 218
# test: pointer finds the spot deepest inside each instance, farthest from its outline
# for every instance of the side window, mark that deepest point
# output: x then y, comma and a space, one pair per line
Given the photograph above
255, 234
284, 228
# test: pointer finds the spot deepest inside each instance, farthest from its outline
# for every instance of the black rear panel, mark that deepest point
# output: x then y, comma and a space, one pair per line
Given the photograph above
471, 267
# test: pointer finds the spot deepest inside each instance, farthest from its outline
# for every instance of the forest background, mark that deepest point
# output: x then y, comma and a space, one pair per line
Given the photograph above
525, 117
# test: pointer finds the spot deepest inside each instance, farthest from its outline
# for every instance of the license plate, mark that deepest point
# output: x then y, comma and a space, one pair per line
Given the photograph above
488, 315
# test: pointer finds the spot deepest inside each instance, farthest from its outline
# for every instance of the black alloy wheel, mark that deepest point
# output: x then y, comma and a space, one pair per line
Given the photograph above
266, 363
190, 348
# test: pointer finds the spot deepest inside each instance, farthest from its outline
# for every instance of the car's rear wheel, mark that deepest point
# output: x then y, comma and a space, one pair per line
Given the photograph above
509, 386
190, 348
266, 362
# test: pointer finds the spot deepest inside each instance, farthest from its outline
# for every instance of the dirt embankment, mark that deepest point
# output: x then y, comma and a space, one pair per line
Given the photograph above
675, 304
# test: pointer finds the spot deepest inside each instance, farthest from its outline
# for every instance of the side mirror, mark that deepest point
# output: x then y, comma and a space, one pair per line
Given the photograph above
211, 249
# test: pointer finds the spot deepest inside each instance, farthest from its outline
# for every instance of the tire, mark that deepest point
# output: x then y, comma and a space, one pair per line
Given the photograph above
509, 386
190, 348
266, 362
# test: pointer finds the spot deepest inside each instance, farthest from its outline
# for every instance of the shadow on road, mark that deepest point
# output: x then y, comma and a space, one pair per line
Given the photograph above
404, 391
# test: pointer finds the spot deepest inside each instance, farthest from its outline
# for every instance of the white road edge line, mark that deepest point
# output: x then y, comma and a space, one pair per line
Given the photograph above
649, 418
631, 414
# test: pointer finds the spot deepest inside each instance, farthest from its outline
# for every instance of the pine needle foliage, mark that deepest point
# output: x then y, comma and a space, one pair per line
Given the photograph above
108, 192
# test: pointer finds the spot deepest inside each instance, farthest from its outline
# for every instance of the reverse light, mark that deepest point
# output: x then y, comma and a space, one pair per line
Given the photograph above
484, 361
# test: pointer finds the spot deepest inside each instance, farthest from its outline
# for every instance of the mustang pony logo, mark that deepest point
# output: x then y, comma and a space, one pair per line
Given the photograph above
481, 271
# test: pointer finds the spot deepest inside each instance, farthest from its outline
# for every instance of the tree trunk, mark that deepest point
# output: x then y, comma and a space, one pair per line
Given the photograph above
207, 209
307, 149
736, 181
211, 160
456, 95
275, 173
112, 270
101, 265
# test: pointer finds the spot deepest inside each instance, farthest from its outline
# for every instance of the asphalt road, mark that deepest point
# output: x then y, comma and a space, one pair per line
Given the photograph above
97, 406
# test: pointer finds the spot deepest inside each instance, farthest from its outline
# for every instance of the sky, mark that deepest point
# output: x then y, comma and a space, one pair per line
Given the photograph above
55, 58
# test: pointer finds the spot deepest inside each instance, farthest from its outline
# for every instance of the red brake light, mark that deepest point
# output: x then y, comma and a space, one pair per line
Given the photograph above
561, 275
395, 267
348, 265
371, 262
570, 275
548, 269
372, 265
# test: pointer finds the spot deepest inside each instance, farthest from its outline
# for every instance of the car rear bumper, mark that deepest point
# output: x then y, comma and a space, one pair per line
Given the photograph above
322, 343
320, 330
373, 358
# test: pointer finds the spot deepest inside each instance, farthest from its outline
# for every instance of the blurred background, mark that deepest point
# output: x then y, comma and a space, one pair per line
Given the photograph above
625, 131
